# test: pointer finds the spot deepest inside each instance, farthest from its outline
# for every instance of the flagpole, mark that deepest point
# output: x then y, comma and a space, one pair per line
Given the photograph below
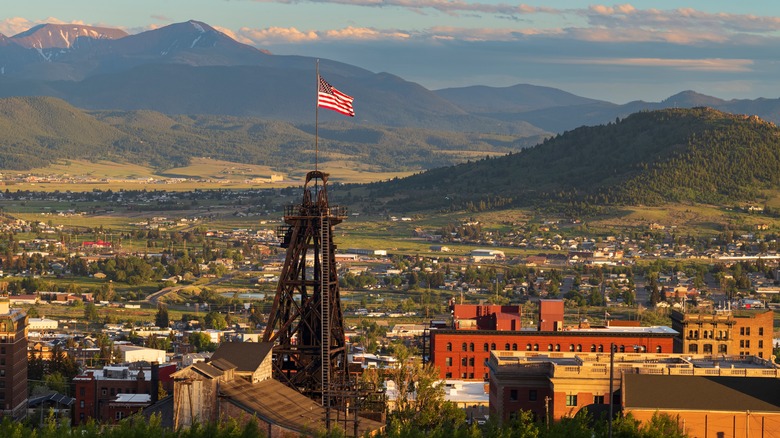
317, 123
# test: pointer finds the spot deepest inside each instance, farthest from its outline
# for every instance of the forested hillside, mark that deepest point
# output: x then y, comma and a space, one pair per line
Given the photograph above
673, 155
36, 131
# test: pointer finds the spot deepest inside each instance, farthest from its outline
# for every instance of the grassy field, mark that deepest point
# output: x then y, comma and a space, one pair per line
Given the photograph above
220, 175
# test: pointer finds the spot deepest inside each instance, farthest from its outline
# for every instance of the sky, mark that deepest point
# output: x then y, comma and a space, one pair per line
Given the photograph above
620, 52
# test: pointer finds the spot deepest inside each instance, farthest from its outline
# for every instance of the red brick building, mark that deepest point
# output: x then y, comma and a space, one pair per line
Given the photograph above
486, 317
99, 392
463, 353
13, 361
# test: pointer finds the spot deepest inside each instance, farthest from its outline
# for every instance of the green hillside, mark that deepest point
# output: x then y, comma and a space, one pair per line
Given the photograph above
36, 131
673, 155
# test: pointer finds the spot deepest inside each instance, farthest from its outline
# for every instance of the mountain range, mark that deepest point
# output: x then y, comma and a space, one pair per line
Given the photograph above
192, 68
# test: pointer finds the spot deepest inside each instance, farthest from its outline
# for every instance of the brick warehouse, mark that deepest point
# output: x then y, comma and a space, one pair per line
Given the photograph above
463, 354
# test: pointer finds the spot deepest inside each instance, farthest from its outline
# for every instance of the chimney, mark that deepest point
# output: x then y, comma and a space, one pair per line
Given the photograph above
155, 381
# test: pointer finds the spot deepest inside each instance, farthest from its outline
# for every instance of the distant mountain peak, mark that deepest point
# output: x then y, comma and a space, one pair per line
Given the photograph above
690, 98
63, 36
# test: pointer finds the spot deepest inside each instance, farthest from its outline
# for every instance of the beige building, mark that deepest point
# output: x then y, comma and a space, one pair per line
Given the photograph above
729, 332
555, 385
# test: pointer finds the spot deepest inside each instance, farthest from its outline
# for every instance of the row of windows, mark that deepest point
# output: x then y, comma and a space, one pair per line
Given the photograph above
708, 334
745, 331
114, 391
550, 347
465, 376
707, 349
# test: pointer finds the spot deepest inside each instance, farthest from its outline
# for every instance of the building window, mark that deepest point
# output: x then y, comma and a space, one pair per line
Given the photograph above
571, 347
449, 346
81, 404
486, 347
493, 346
760, 343
471, 361
82, 391
506, 346
747, 343
571, 400
471, 375
598, 400
741, 343
536, 347
622, 348
722, 349
579, 347
119, 415
448, 375
464, 347
760, 331
532, 396
557, 347
527, 347
471, 346
463, 361
601, 348
514, 347
448, 361
693, 348
463, 376
658, 349
742, 331
747, 331
592, 348
486, 377
103, 391
512, 395
707, 349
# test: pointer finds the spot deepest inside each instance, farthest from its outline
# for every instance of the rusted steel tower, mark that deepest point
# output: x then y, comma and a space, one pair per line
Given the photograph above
306, 321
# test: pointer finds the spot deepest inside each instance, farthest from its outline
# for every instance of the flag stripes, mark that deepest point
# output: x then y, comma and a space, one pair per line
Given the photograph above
331, 98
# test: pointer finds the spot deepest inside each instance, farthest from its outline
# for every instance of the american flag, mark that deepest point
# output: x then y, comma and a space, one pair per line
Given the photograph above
331, 98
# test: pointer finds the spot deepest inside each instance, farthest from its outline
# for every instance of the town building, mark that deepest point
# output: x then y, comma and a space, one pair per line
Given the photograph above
43, 324
556, 385
132, 353
237, 383
13, 360
733, 332
463, 353
98, 392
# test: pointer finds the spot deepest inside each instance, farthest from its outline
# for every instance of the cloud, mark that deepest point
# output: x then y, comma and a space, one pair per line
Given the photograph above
279, 35
703, 65
627, 16
12, 26
452, 7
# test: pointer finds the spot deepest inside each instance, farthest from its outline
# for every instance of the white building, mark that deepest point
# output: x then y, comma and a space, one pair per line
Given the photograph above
42, 324
486, 254
133, 353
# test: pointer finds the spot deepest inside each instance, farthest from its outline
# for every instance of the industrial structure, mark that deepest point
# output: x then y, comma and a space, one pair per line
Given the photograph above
306, 323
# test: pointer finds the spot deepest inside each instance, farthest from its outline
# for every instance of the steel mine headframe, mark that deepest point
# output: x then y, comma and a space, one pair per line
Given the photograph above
306, 321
